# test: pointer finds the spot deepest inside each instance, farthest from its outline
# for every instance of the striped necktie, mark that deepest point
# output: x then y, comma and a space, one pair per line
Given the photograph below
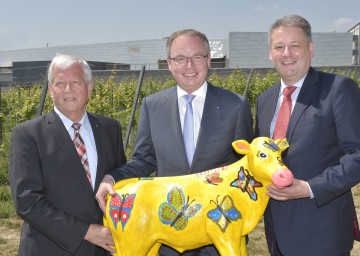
81, 150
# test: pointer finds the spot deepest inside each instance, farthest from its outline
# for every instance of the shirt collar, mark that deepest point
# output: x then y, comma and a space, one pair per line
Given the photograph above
84, 121
201, 92
298, 84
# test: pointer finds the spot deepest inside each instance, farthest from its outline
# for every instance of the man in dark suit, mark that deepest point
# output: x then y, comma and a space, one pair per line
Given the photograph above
316, 214
219, 116
53, 193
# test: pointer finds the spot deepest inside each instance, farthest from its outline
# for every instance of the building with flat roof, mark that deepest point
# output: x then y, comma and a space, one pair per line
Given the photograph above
238, 50
355, 31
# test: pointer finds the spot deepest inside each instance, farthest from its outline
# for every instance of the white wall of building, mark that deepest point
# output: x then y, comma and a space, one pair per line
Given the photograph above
242, 50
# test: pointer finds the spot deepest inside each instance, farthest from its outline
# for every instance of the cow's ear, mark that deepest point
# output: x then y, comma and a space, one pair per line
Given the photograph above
241, 146
282, 143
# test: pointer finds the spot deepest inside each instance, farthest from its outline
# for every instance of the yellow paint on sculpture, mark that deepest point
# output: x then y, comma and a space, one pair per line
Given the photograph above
219, 206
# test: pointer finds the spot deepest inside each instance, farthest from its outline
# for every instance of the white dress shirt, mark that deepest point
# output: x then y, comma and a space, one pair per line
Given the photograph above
197, 104
87, 135
294, 97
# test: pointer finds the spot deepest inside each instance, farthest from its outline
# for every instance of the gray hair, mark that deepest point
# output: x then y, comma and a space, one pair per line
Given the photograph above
188, 32
63, 61
292, 20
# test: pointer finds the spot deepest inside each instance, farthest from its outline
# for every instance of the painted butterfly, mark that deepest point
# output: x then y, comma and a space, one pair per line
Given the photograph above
224, 213
120, 208
271, 145
274, 147
213, 178
247, 183
177, 210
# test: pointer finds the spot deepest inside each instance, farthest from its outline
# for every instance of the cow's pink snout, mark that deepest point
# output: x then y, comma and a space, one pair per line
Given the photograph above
282, 178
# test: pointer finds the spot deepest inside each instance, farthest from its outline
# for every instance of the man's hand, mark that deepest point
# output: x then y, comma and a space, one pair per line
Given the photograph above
106, 186
299, 189
100, 236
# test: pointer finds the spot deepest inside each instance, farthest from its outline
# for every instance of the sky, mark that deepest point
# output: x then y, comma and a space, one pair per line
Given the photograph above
29, 24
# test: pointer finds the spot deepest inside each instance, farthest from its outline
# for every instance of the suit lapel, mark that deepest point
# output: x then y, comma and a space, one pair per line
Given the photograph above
307, 92
212, 113
171, 112
61, 137
270, 104
100, 148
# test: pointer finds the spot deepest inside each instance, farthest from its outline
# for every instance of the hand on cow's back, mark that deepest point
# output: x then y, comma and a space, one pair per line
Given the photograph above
105, 189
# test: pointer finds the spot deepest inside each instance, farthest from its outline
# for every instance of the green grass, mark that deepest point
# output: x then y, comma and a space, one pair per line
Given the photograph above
6, 204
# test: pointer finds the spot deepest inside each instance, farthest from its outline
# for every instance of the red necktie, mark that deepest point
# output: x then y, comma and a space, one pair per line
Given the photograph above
282, 121
81, 150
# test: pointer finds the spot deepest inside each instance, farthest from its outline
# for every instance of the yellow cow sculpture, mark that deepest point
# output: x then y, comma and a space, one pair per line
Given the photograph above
218, 206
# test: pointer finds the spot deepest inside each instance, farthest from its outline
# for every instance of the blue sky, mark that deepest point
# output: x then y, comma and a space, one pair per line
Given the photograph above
40, 23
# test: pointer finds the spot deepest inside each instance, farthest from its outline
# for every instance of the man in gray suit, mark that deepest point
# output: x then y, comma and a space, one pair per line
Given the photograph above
53, 191
219, 117
316, 214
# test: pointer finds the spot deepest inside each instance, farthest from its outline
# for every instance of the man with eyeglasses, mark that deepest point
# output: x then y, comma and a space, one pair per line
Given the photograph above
219, 118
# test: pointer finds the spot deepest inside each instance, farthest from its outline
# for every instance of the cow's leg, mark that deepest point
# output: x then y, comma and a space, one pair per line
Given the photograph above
227, 247
129, 247
243, 248
233, 248
154, 250
135, 250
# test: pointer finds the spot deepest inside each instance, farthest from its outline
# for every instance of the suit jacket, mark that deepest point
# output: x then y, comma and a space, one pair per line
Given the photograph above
324, 138
159, 145
49, 186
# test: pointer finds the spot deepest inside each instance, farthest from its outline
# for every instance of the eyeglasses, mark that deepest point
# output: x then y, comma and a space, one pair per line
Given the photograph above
182, 60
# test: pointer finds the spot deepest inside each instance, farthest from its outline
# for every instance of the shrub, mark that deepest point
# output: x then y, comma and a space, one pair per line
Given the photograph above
114, 99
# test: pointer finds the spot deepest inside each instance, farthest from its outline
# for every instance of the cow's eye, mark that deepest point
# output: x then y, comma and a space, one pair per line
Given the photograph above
262, 155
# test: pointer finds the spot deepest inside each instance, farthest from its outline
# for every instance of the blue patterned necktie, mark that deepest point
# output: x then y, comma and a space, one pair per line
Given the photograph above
188, 130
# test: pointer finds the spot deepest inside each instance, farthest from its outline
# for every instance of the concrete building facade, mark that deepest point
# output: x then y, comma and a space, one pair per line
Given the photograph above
238, 50
355, 31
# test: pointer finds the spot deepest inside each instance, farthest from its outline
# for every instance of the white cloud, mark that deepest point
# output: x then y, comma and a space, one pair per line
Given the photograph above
342, 24
260, 8
265, 9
